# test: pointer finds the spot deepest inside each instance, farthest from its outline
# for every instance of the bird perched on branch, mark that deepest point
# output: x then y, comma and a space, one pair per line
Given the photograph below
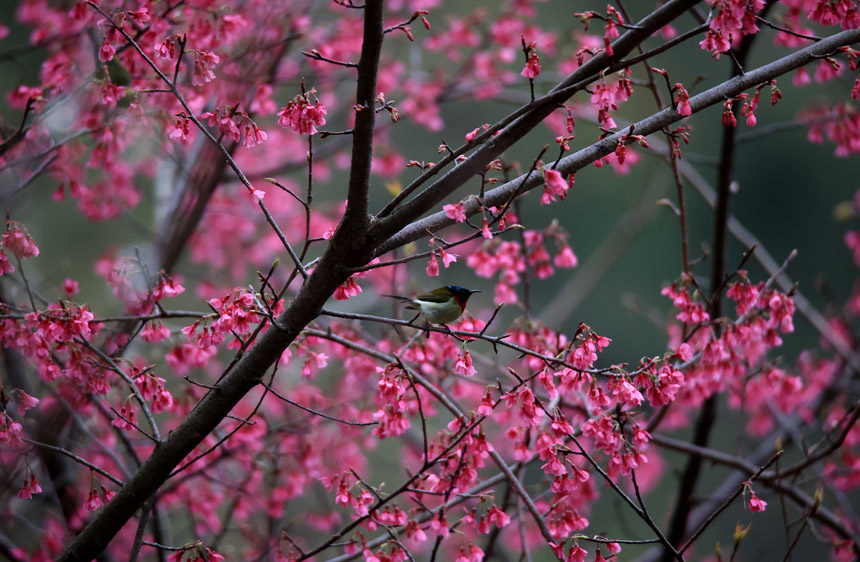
439, 306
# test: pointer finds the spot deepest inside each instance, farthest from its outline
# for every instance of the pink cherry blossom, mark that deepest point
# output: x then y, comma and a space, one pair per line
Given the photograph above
302, 116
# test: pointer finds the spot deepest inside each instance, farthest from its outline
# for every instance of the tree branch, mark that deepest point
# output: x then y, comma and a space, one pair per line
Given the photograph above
533, 114
647, 126
248, 372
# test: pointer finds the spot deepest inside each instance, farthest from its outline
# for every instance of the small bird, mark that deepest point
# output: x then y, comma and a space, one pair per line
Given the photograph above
439, 306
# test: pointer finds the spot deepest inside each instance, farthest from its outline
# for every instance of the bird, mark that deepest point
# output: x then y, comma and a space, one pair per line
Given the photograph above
439, 306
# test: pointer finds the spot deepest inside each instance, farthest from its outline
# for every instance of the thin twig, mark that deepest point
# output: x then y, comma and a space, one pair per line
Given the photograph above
75, 458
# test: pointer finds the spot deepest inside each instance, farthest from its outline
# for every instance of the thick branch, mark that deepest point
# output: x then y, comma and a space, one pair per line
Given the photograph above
365, 117
248, 371
647, 126
534, 114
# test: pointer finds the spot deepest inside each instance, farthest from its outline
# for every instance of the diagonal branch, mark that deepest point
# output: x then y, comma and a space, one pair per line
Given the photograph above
647, 126
246, 373
533, 114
